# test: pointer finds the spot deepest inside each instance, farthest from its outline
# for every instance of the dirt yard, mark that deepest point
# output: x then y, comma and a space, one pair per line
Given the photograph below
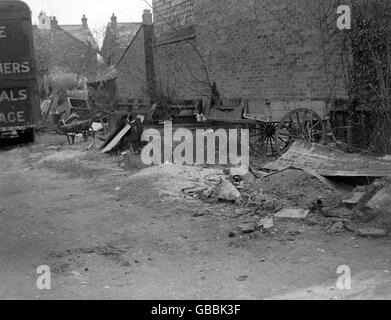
117, 231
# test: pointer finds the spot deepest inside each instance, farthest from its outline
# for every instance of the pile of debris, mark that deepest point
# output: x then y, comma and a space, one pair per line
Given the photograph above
298, 192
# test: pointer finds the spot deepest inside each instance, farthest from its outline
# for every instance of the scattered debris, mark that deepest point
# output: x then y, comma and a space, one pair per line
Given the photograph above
200, 214
248, 227
381, 200
351, 226
116, 138
294, 233
242, 212
266, 223
292, 214
244, 174
336, 228
97, 126
337, 212
227, 191
75, 273
194, 192
312, 221
354, 198
242, 278
133, 128
287, 194
215, 179
360, 211
327, 182
365, 216
372, 232
293, 188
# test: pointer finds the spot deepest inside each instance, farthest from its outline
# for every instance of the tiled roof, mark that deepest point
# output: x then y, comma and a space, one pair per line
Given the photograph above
84, 35
126, 31
109, 74
117, 40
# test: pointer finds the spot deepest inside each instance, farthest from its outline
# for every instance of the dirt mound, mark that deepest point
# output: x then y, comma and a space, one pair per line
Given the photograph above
297, 187
170, 179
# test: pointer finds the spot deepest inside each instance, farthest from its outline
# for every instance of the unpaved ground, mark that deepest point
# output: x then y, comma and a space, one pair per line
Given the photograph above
109, 234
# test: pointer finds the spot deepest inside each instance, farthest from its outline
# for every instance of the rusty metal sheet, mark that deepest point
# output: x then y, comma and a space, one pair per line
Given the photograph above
330, 162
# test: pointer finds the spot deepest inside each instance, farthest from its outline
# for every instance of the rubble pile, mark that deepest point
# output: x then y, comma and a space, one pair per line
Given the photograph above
264, 202
294, 195
295, 187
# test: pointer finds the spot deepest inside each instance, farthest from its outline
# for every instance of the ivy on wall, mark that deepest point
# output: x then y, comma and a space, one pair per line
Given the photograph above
368, 70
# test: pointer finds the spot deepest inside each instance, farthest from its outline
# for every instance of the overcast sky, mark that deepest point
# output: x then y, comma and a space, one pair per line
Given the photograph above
98, 12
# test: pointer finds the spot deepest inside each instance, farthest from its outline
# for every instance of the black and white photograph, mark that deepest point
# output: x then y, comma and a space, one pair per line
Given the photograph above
195, 150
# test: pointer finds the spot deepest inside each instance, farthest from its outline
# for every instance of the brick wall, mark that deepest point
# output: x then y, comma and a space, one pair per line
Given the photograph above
256, 50
172, 13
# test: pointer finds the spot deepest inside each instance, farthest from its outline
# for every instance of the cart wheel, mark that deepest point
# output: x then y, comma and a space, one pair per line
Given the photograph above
262, 141
300, 124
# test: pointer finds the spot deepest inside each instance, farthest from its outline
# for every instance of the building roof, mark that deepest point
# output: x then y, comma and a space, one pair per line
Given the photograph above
125, 32
118, 36
77, 31
109, 74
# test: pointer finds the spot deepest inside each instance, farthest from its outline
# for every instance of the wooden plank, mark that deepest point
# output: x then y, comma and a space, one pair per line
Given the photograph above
116, 140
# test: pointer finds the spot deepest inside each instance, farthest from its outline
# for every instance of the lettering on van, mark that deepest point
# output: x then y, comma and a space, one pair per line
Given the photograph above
13, 95
2, 32
12, 117
8, 68
13, 105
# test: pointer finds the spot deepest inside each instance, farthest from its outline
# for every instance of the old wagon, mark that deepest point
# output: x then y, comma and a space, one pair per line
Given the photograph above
276, 125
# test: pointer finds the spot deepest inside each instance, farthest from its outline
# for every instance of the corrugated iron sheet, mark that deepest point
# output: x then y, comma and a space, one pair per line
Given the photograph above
330, 162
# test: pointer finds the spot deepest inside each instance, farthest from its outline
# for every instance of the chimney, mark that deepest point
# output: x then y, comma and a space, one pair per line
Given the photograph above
54, 23
84, 22
113, 21
148, 51
147, 17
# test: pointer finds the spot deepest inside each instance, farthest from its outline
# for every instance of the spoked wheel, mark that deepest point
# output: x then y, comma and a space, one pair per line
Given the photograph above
300, 124
262, 140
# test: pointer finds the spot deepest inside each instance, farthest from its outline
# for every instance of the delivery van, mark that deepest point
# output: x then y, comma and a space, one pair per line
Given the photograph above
19, 97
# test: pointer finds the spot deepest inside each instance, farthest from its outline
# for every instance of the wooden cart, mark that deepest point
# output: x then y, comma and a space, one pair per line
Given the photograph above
279, 124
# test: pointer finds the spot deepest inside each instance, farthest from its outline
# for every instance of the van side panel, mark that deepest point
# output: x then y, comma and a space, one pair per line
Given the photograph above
19, 99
